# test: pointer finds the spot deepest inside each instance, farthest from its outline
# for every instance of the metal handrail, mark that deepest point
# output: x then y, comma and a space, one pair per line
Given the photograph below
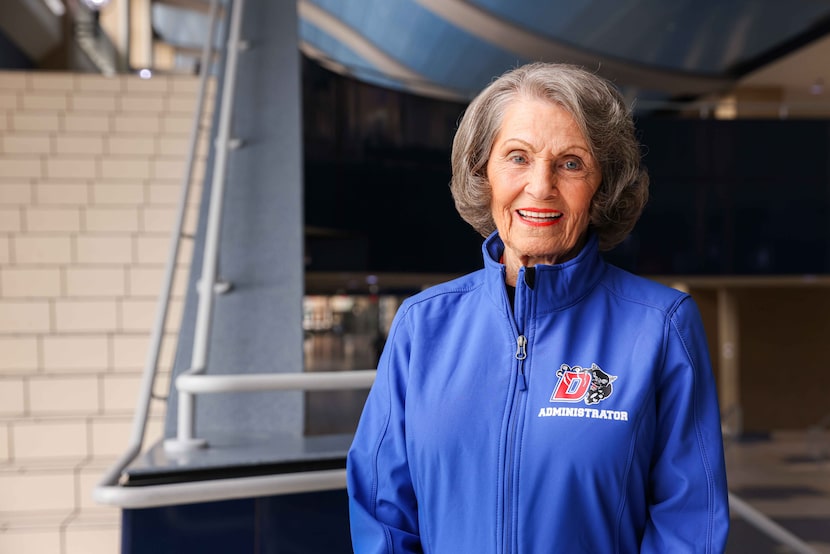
240, 487
159, 327
318, 380
153, 496
185, 439
193, 383
768, 526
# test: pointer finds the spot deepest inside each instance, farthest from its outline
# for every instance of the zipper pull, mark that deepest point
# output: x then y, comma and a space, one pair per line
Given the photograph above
521, 354
521, 351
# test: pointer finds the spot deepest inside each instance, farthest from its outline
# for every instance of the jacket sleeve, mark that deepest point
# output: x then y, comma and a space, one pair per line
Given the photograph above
383, 510
688, 498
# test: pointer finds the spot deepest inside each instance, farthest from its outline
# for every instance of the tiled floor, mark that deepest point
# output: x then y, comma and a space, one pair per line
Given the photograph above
786, 476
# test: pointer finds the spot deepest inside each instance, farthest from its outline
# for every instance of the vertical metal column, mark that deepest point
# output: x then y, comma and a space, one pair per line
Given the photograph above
124, 31
258, 327
149, 54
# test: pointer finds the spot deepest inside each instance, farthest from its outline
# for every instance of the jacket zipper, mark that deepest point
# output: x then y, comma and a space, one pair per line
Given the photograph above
515, 412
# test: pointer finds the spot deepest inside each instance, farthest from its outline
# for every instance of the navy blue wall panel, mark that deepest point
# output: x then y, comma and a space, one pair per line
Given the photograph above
288, 524
213, 527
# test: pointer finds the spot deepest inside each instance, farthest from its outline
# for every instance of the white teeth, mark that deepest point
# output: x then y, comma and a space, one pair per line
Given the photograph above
539, 216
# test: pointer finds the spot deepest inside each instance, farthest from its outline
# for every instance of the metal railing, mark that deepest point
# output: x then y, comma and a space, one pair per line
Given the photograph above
111, 477
185, 439
768, 527
109, 492
193, 381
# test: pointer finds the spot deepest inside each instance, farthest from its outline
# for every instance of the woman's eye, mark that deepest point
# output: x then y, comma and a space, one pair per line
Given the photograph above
572, 165
517, 158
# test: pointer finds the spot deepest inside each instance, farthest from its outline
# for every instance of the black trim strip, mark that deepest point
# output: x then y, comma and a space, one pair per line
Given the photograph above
142, 479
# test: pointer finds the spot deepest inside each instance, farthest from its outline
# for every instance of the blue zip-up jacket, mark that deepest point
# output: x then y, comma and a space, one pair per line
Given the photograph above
585, 419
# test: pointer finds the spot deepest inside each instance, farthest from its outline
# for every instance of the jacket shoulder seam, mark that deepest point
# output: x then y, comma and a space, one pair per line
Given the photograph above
668, 310
427, 296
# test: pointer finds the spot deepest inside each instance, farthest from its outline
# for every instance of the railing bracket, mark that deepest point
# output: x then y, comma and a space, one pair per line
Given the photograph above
181, 446
231, 143
219, 287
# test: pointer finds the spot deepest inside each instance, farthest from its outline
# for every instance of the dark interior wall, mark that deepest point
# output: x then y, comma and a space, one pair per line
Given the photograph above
784, 357
783, 354
743, 197
377, 170
400, 217
12, 57
732, 197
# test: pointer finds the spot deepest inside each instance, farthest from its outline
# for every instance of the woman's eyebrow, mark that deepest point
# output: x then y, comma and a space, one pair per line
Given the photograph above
570, 146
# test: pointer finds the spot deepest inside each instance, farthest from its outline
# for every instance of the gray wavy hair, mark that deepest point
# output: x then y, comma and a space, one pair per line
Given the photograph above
605, 122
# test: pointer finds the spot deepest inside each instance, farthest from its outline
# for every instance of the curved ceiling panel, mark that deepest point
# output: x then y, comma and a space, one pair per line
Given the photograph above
428, 46
699, 36
652, 49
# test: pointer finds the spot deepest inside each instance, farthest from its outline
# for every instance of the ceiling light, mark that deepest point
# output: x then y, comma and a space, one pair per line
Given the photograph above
56, 7
95, 5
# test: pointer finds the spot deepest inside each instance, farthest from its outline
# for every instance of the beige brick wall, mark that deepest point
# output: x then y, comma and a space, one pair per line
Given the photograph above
90, 173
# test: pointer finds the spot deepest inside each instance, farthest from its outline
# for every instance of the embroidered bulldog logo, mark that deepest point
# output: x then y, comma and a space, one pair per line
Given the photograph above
576, 383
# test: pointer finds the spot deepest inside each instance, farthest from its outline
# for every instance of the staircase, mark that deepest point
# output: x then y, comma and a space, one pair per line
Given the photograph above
90, 177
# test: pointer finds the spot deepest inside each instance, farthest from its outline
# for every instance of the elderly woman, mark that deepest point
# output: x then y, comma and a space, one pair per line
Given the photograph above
549, 402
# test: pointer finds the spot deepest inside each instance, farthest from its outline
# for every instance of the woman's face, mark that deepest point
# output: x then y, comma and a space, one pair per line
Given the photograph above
542, 177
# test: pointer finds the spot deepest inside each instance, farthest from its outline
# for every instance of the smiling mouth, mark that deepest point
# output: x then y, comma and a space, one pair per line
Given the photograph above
540, 217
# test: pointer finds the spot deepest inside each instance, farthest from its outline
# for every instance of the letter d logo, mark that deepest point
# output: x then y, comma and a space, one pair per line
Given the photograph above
572, 385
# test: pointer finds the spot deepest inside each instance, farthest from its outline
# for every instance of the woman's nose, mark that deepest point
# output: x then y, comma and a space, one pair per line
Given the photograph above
542, 182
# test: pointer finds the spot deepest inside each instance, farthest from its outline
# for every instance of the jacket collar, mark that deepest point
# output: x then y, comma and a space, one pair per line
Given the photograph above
556, 286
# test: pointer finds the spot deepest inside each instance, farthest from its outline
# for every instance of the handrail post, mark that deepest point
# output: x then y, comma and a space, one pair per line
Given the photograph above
185, 436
